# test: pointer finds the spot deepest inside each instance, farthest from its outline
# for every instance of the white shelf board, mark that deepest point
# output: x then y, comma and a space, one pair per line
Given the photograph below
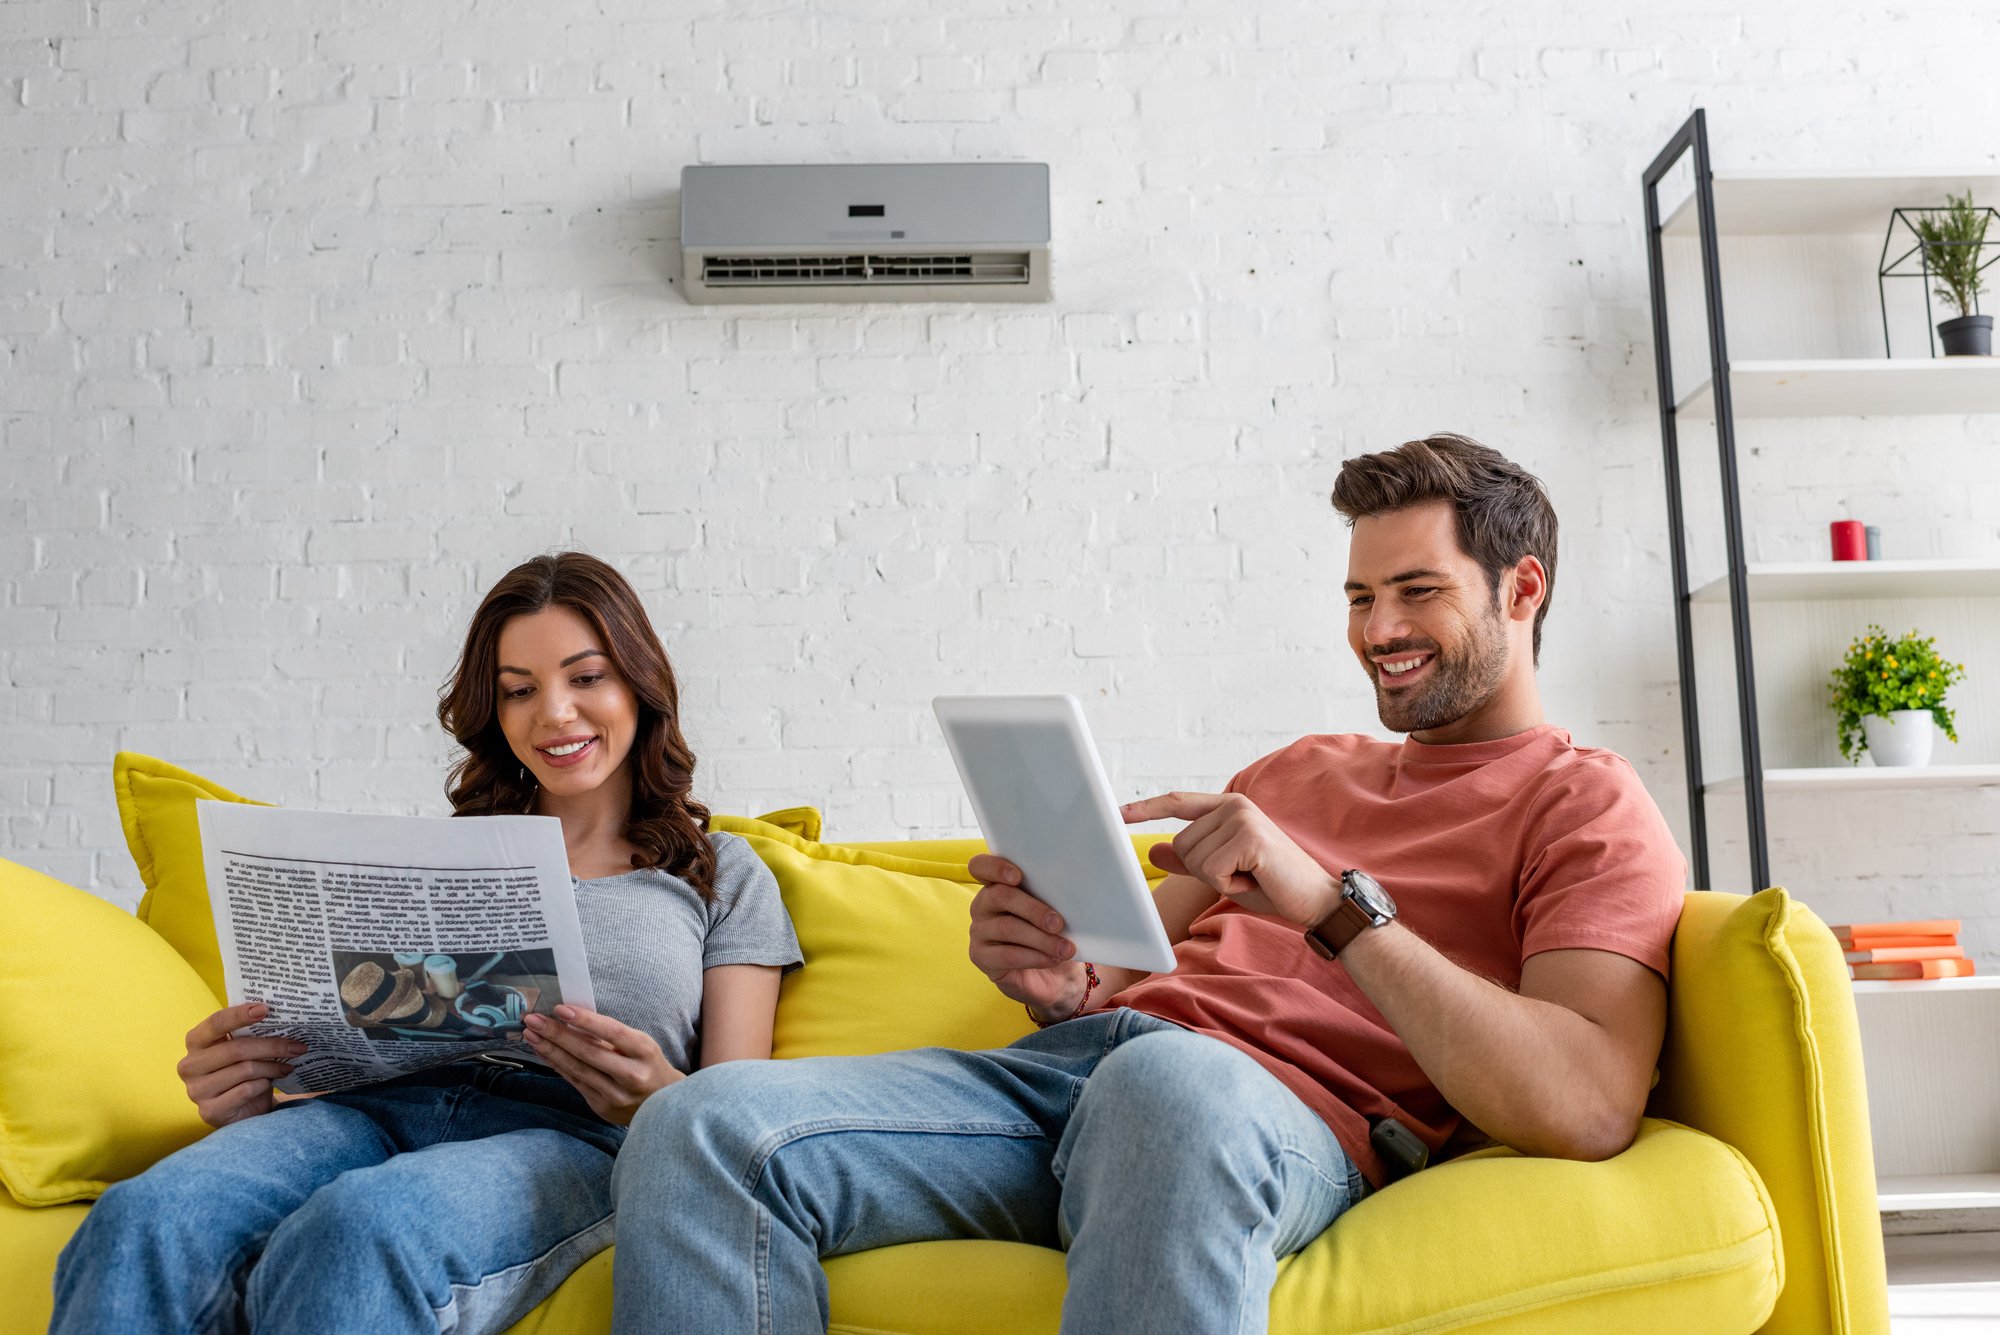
1865, 778
1951, 1191
1821, 202
1843, 581
1859, 387
1976, 983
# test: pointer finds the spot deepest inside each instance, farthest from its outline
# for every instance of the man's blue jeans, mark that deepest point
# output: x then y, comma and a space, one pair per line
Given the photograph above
1174, 1169
455, 1199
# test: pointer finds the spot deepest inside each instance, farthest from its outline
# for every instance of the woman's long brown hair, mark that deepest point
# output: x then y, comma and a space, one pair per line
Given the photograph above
666, 824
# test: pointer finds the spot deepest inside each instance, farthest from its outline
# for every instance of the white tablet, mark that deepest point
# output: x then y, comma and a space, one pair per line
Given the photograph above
1044, 804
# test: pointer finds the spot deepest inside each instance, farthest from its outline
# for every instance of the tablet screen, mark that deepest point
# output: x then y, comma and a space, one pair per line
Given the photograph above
1042, 782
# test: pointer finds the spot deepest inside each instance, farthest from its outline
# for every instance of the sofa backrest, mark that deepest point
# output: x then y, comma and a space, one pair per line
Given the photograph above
962, 851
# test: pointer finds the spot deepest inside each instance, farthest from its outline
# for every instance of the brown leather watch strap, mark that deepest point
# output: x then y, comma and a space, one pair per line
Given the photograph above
1342, 926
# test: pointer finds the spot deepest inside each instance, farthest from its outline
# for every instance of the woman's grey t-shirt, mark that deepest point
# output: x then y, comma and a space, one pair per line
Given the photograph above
648, 935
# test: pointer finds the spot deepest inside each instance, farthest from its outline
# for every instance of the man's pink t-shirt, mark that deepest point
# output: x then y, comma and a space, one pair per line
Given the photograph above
1493, 851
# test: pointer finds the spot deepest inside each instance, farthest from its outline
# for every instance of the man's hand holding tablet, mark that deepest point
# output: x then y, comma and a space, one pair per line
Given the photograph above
1017, 941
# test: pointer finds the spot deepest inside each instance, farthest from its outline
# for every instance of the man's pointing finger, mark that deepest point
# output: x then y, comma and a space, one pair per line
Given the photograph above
1171, 806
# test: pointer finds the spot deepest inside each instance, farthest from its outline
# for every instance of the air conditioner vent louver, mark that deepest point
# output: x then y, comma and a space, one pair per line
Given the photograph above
861, 270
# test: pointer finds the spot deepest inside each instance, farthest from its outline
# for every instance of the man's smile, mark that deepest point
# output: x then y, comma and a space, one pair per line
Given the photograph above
1400, 669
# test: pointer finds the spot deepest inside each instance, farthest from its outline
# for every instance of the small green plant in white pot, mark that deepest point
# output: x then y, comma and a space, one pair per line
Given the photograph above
1888, 693
1954, 238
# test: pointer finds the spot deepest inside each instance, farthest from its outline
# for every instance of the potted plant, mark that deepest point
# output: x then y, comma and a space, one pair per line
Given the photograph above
1953, 237
1887, 694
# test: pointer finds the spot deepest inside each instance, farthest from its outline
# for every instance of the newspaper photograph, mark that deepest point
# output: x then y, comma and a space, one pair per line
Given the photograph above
389, 944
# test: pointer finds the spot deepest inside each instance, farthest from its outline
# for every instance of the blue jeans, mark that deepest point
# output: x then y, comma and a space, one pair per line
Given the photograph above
455, 1199
1174, 1169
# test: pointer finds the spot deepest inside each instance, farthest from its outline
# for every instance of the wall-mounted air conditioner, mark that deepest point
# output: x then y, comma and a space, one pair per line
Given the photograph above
970, 231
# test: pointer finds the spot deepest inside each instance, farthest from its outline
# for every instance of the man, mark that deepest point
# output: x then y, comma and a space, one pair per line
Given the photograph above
1178, 1133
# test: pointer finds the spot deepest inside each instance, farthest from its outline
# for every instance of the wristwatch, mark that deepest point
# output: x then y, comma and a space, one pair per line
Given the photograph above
1363, 904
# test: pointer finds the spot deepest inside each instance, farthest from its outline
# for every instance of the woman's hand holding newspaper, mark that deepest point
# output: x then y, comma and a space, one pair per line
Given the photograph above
614, 1066
227, 1078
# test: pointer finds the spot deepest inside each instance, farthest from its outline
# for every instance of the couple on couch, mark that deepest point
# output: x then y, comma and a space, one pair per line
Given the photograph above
1459, 937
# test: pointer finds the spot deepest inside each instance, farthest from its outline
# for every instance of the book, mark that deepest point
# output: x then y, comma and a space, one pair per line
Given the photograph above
1888, 953
1927, 927
1958, 968
1893, 939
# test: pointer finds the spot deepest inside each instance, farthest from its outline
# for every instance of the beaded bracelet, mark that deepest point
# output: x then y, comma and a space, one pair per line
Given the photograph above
1089, 986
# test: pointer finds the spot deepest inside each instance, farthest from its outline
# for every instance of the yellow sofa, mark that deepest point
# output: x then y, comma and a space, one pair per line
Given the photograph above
1747, 1202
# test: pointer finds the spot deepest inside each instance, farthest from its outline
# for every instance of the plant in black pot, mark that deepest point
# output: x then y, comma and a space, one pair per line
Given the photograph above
1953, 238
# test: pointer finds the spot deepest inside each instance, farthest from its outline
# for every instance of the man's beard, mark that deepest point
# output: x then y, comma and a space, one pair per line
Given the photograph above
1459, 683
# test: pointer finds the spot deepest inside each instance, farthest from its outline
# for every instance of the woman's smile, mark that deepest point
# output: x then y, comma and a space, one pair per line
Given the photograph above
567, 751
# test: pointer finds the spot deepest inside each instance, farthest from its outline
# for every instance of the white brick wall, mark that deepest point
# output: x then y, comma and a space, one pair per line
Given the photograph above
313, 322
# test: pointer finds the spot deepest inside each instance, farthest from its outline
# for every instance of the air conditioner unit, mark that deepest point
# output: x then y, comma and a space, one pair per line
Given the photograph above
963, 231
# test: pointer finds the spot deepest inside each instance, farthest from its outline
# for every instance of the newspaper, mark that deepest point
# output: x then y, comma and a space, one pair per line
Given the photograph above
388, 944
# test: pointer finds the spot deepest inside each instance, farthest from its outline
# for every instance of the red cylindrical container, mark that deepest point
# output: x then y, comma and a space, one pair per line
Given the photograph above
1850, 540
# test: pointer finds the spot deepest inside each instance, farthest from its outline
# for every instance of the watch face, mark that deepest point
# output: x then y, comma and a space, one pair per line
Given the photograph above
1370, 895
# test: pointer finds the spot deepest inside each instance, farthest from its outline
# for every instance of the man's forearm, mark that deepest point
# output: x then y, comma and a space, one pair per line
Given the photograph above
1533, 1075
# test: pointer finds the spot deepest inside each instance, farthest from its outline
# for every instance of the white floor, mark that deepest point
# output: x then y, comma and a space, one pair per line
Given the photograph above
1944, 1284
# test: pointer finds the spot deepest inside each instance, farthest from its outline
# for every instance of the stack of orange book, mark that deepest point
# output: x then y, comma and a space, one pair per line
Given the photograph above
1903, 949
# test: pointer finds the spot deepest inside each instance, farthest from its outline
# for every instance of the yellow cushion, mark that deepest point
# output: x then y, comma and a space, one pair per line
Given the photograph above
884, 940
156, 806
97, 1008
1674, 1235
30, 1241
924, 1288
1762, 1019
801, 821
581, 1304
946, 1288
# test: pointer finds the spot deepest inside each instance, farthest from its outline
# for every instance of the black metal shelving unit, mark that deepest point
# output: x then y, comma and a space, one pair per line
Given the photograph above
1692, 138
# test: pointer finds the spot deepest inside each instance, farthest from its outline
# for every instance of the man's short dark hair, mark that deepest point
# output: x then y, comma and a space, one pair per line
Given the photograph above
1503, 513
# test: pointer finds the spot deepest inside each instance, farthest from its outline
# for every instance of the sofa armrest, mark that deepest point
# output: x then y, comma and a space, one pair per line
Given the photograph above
1763, 1051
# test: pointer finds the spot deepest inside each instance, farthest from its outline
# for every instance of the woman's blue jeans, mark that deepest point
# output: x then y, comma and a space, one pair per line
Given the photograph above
1174, 1169
455, 1200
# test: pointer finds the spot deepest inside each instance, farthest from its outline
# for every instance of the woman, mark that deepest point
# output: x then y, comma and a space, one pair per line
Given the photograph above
460, 1197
